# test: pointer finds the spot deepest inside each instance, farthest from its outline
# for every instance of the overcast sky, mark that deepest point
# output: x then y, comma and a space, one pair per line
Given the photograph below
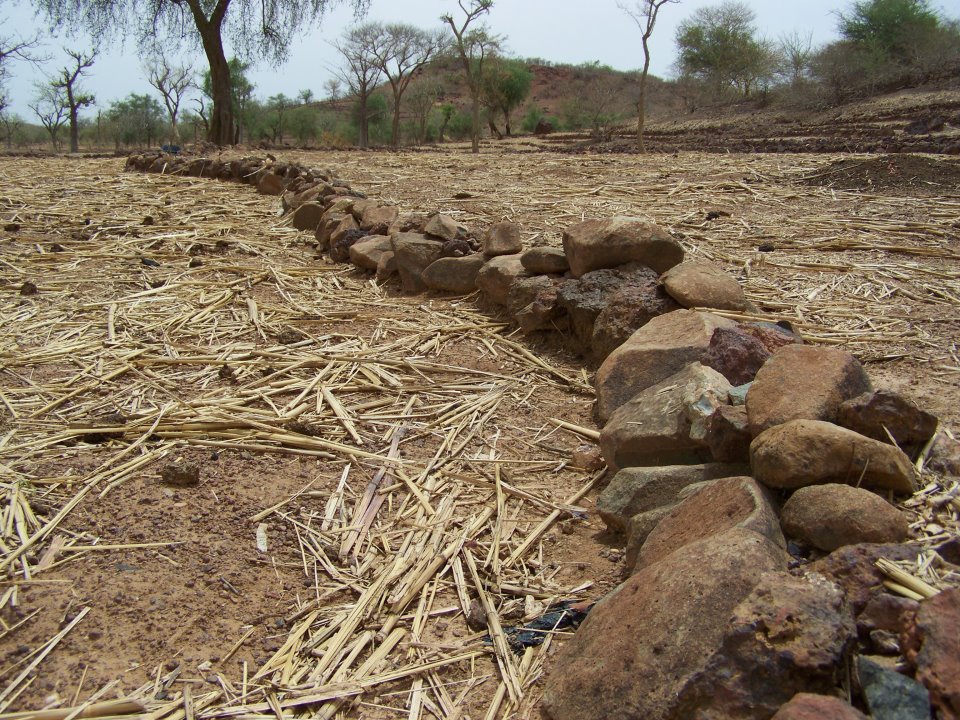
562, 31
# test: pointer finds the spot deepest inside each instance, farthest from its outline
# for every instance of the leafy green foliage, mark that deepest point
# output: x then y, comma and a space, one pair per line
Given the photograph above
505, 85
137, 120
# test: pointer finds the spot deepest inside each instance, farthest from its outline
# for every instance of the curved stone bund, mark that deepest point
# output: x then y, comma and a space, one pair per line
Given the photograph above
707, 424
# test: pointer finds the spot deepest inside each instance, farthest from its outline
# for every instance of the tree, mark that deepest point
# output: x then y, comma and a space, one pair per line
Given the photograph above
644, 14
796, 52
136, 120
332, 88
719, 46
890, 26
403, 50
362, 70
50, 107
75, 98
305, 96
241, 92
506, 84
473, 45
423, 97
172, 82
255, 28
14, 48
279, 104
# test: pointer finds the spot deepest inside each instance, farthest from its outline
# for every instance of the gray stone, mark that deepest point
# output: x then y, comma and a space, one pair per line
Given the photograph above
635, 490
544, 260
884, 414
525, 290
890, 695
497, 276
661, 348
666, 423
503, 238
414, 253
366, 253
386, 266
307, 216
441, 226
454, 274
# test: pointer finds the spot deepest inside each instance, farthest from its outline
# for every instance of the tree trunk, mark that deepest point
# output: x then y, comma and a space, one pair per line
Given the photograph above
395, 129
493, 129
475, 125
221, 116
642, 99
74, 125
506, 122
364, 128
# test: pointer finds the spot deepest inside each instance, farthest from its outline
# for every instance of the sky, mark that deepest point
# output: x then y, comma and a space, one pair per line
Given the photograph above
562, 31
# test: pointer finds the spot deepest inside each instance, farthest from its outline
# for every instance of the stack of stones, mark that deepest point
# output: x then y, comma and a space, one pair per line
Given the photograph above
724, 440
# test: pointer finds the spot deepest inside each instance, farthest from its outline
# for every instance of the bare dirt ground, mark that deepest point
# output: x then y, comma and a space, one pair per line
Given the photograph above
210, 333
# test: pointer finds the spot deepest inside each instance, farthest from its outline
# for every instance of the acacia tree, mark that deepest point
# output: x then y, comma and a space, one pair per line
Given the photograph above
403, 50
474, 46
14, 48
50, 107
255, 28
241, 93
719, 46
506, 85
362, 69
423, 97
75, 98
172, 82
279, 104
644, 14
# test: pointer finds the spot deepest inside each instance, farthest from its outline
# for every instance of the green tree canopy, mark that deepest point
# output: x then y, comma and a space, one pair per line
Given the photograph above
506, 84
719, 45
136, 120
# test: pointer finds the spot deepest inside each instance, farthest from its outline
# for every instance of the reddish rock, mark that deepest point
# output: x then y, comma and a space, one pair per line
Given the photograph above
696, 284
666, 423
831, 516
524, 290
736, 502
884, 611
772, 336
346, 226
597, 244
544, 313
414, 253
329, 223
728, 434
853, 567
497, 275
340, 244
791, 634
735, 354
641, 644
661, 348
626, 311
387, 266
810, 452
803, 382
454, 274
587, 457
931, 644
639, 528
544, 260
807, 706
503, 238
269, 184
366, 253
635, 490
377, 216
877, 413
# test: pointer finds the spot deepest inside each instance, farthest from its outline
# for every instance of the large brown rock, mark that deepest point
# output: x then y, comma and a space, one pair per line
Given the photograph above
733, 502
831, 516
803, 382
728, 434
666, 423
931, 644
270, 184
635, 490
503, 238
632, 289
808, 706
525, 290
662, 347
696, 284
791, 634
735, 354
414, 253
441, 226
596, 244
644, 641
377, 216
545, 260
454, 274
307, 216
812, 452
543, 313
884, 414
387, 266
366, 253
497, 275
854, 568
